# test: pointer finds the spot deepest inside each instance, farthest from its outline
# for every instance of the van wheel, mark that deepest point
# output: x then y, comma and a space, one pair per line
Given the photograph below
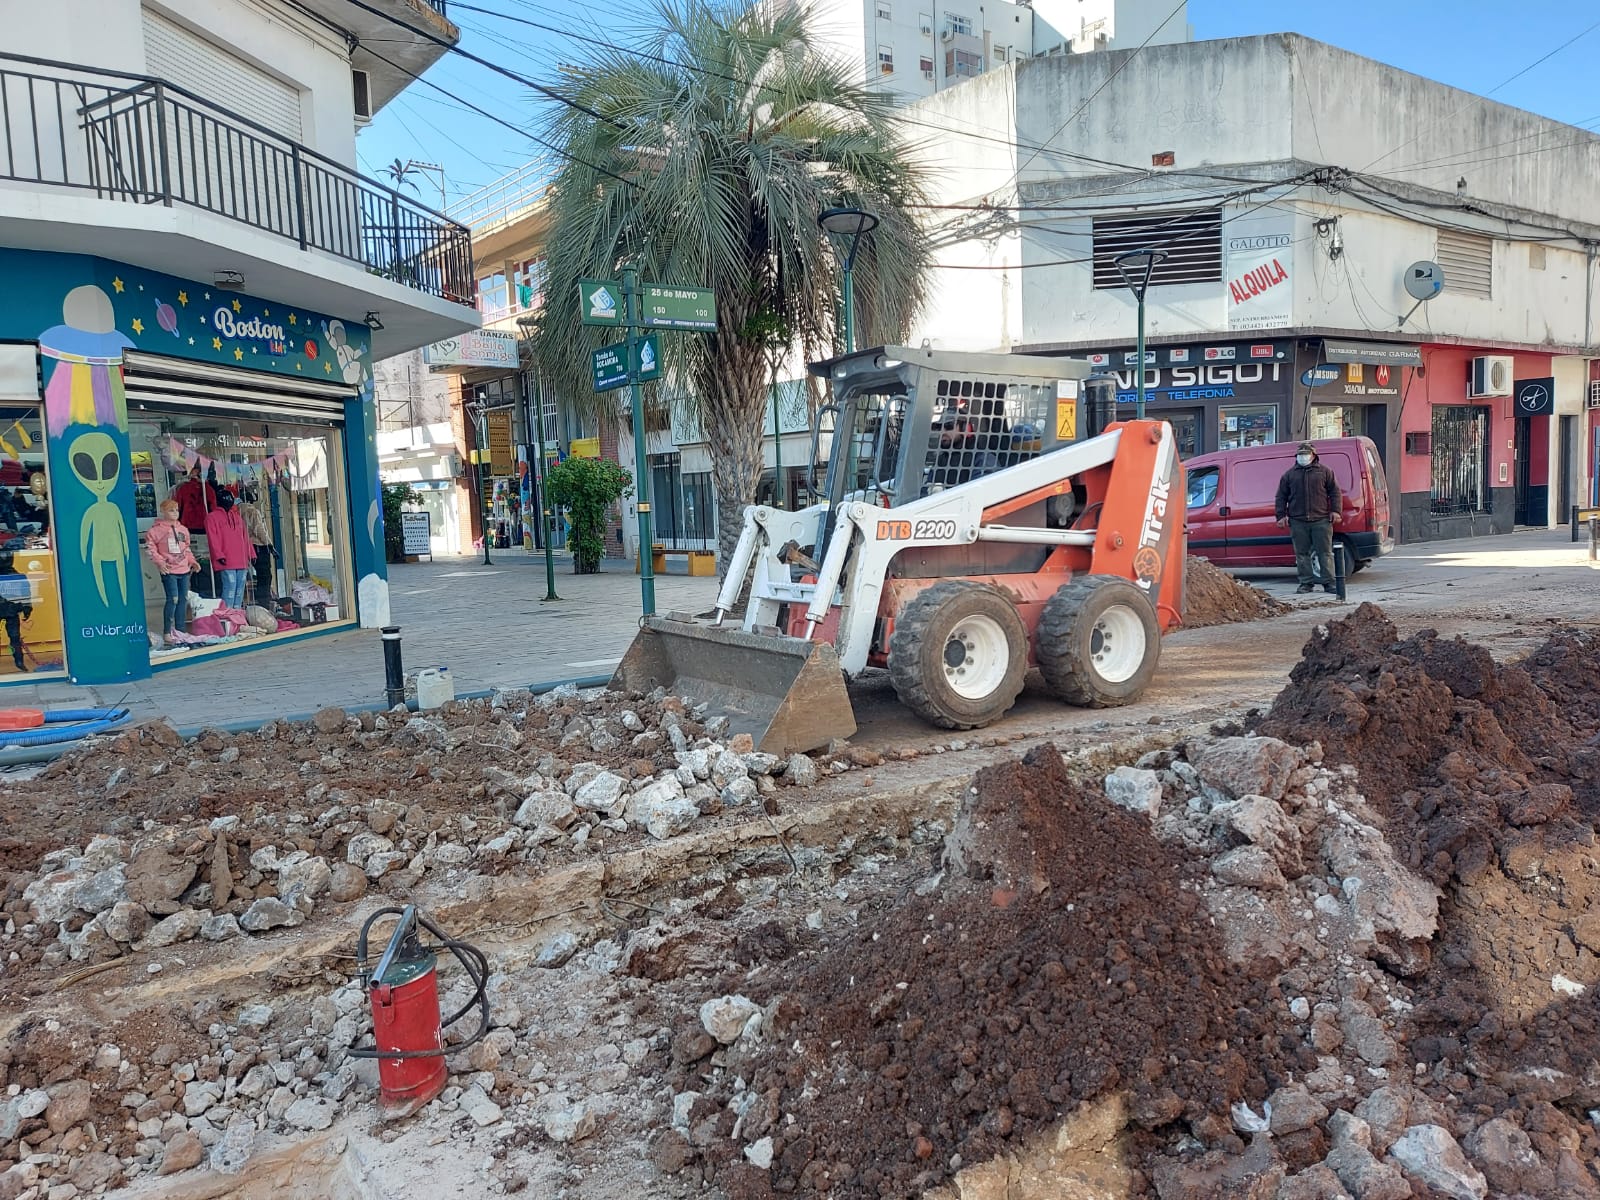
1098, 642
1357, 565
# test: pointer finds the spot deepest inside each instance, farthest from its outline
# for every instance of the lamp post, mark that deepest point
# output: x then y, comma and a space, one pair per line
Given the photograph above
1137, 266
850, 224
480, 424
546, 515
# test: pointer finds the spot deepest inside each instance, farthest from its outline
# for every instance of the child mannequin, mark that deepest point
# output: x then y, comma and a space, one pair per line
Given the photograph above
167, 543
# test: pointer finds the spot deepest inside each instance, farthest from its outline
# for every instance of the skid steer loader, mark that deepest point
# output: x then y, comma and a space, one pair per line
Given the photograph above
970, 528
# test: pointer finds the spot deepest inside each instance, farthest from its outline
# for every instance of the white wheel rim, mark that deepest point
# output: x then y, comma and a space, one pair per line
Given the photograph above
977, 656
1117, 644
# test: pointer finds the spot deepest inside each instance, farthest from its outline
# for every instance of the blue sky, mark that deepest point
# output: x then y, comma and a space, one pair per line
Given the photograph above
1471, 44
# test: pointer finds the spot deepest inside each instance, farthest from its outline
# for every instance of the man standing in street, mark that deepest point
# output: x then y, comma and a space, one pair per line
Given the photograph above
1308, 505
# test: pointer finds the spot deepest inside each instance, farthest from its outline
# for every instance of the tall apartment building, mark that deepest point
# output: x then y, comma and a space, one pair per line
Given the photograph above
197, 282
914, 48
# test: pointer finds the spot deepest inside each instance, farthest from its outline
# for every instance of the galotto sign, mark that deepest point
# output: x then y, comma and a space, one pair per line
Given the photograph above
1535, 397
1258, 265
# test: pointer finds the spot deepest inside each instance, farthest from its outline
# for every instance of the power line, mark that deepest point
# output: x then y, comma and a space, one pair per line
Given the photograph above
1471, 100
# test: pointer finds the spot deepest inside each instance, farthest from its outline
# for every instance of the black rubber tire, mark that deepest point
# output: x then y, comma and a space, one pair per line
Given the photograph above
1357, 565
917, 654
1065, 644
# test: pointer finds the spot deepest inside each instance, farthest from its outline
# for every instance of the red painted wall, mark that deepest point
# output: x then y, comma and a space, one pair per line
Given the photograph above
1443, 380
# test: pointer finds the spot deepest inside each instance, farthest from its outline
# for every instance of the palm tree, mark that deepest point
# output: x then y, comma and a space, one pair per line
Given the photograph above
401, 173
704, 160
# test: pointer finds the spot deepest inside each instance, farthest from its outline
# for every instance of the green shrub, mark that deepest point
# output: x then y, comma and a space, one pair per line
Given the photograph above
395, 497
586, 488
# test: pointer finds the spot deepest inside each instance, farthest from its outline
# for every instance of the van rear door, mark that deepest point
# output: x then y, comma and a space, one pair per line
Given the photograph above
1380, 497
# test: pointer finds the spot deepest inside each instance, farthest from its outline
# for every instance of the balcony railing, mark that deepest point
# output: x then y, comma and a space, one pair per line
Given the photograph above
146, 141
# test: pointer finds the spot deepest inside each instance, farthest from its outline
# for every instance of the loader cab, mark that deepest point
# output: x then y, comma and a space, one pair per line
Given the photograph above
909, 423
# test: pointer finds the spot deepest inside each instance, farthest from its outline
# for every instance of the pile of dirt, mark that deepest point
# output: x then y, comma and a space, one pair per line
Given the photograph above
1489, 774
1072, 958
1213, 597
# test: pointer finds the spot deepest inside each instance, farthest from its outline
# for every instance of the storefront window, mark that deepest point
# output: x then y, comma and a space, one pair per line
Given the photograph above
263, 505
1247, 425
1333, 420
30, 605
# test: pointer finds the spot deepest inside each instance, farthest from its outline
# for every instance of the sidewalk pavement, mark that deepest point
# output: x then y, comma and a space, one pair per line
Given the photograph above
489, 625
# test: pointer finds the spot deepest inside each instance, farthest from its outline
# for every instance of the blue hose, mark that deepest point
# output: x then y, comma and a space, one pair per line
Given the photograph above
85, 721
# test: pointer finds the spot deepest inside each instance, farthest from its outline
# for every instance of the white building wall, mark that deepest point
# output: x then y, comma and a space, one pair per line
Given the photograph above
266, 33
1122, 24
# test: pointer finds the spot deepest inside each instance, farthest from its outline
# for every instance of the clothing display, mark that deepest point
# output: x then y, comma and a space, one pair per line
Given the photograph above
167, 544
195, 500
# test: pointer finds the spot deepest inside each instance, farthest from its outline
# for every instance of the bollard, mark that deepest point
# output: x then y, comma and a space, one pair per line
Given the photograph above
1594, 538
394, 676
1339, 572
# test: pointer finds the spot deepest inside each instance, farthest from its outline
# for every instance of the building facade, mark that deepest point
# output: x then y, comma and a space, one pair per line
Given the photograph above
1305, 202
910, 49
197, 282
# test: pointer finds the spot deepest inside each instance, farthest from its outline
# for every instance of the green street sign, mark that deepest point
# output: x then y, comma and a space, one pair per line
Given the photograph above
678, 307
610, 365
649, 364
600, 301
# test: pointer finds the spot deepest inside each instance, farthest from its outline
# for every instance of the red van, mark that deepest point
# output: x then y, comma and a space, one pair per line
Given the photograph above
1231, 495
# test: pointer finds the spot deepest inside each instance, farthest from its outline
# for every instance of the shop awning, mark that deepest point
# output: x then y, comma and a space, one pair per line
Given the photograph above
1382, 354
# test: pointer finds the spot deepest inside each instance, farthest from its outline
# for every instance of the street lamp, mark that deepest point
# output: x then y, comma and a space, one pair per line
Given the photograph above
848, 223
546, 514
1137, 266
480, 423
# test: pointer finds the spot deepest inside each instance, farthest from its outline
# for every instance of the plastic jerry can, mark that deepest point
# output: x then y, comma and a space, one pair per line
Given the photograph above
434, 687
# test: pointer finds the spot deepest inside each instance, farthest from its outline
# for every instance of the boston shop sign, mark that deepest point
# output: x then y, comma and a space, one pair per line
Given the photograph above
230, 325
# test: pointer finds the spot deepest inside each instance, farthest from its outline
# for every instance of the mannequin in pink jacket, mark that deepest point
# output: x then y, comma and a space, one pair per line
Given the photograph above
167, 543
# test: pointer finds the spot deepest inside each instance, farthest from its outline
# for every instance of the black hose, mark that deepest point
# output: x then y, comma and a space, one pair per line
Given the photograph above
473, 961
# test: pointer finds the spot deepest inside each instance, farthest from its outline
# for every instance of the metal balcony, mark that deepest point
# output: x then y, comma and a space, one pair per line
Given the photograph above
141, 140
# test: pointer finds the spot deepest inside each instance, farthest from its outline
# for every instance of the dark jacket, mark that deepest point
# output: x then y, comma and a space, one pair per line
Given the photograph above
1307, 493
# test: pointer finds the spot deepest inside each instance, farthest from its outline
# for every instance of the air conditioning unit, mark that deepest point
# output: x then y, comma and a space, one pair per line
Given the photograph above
949, 35
927, 30
361, 83
1491, 376
927, 74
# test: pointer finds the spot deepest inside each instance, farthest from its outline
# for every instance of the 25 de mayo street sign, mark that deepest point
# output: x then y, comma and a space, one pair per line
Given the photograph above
679, 307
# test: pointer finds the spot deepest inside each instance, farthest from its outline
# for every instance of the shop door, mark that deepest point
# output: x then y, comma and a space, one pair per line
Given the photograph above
1521, 438
1567, 436
1377, 429
1185, 430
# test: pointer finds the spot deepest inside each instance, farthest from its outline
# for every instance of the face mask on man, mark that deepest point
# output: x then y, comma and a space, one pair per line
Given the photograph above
1303, 459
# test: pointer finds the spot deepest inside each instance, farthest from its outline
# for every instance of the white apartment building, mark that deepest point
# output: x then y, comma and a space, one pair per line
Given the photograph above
1296, 191
198, 281
914, 48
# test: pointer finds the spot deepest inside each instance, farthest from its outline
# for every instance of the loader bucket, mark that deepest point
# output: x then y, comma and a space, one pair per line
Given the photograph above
788, 694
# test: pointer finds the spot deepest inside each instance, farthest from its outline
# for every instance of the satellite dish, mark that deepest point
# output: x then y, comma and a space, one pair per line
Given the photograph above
1424, 280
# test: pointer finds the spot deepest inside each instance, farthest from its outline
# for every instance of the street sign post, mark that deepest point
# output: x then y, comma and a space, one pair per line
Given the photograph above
666, 307
638, 360
600, 302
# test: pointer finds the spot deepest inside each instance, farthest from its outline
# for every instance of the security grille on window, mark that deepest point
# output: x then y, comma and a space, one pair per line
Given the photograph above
980, 427
885, 60
962, 64
885, 13
1468, 262
926, 65
1460, 454
1193, 242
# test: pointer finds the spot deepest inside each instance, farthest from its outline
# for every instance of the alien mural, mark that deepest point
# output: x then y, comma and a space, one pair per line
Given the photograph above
85, 399
102, 534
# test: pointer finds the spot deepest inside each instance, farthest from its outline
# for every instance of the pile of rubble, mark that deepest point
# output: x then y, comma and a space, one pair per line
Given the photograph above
1359, 962
362, 801
1211, 596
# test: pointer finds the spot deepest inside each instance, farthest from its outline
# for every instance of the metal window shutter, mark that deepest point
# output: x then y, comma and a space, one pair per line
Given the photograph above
174, 384
1468, 262
174, 54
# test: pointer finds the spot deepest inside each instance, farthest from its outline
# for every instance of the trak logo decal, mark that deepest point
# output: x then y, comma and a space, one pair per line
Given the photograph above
1153, 533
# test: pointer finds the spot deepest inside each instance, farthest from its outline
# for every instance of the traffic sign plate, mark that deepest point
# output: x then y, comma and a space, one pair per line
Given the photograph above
600, 301
610, 366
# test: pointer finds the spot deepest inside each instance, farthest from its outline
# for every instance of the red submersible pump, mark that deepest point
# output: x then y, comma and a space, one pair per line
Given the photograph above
403, 989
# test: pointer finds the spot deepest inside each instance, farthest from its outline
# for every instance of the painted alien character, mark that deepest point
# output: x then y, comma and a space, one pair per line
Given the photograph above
104, 535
